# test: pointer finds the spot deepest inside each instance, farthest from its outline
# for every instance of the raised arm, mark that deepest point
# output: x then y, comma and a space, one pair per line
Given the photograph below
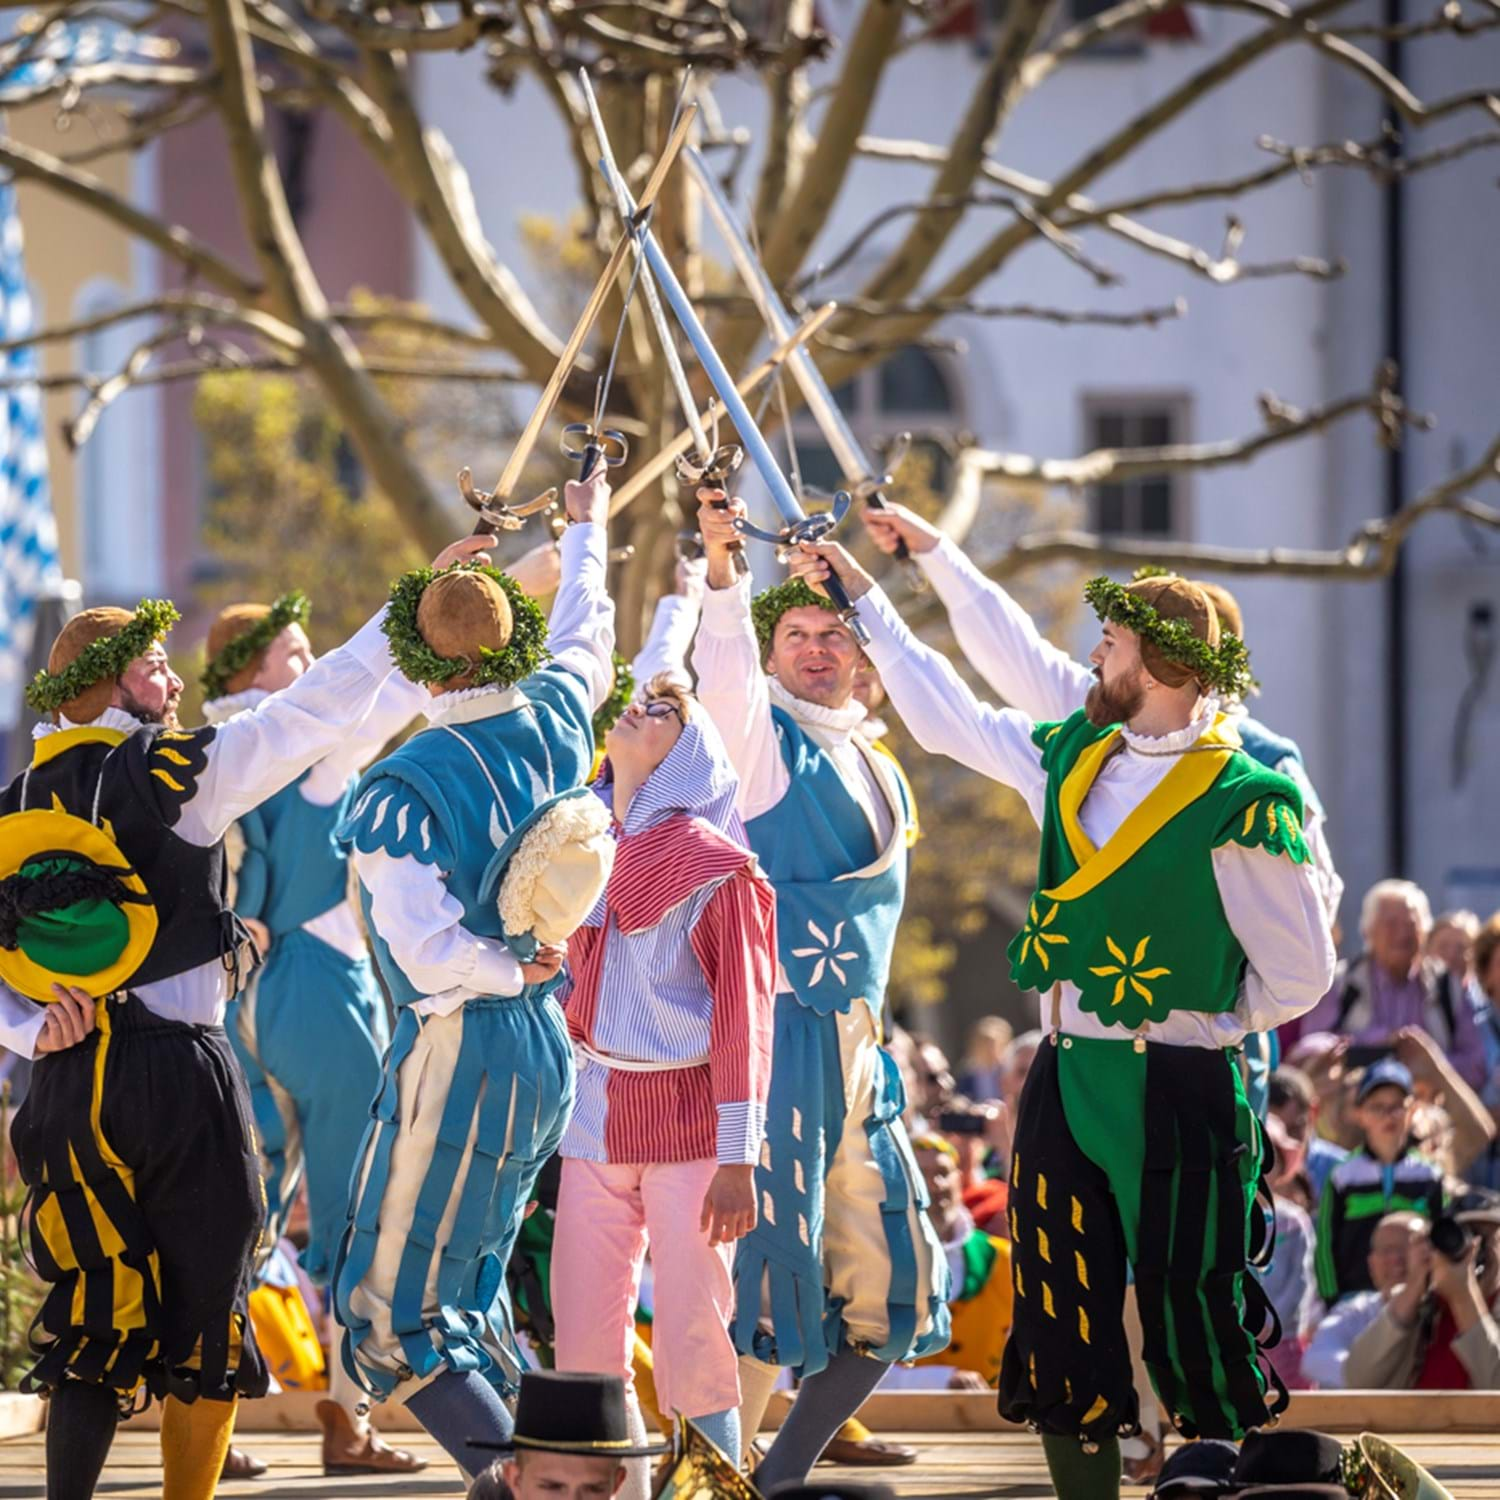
731, 679
998, 637
673, 626
396, 704
206, 779
938, 708
581, 631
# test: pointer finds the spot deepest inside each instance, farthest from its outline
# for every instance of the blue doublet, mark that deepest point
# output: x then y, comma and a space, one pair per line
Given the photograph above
452, 797
308, 1002
838, 902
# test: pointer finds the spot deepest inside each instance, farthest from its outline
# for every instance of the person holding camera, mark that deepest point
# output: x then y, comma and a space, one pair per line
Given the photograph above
1439, 1330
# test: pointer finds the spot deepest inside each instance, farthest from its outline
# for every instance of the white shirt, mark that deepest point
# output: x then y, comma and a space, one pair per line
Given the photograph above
1274, 907
1327, 1351
251, 757
396, 705
1028, 672
410, 904
664, 652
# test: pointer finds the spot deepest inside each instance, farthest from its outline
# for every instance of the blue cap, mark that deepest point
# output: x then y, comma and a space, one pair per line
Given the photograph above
1387, 1073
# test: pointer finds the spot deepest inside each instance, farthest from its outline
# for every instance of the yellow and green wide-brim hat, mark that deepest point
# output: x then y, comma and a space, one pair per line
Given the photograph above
72, 911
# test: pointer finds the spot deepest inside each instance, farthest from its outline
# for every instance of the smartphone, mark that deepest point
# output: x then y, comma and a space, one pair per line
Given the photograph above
1364, 1056
961, 1122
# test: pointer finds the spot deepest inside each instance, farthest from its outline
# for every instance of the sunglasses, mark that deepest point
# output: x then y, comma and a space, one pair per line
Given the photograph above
661, 708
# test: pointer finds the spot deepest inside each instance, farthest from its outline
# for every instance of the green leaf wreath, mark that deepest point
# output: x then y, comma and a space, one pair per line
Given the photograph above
290, 609
524, 653
617, 702
1225, 669
770, 604
108, 657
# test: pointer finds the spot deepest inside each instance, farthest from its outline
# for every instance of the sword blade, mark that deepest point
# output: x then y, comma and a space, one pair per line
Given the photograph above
847, 453
648, 286
782, 495
655, 467
511, 475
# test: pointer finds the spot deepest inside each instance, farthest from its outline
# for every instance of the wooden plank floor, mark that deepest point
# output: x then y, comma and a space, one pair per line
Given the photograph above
963, 1466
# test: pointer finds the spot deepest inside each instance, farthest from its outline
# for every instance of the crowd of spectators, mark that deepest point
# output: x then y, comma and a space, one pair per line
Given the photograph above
1386, 1265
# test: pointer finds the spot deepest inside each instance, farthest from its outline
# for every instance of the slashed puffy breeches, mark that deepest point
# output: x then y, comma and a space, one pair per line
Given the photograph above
843, 1253
1152, 1158
470, 1107
309, 1034
606, 1213
145, 1209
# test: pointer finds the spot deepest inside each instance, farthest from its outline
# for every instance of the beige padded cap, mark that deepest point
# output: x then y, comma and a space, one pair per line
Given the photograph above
1175, 598
461, 614
86, 627
233, 621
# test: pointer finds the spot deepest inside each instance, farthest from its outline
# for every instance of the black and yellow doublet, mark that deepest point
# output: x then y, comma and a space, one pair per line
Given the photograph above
145, 1205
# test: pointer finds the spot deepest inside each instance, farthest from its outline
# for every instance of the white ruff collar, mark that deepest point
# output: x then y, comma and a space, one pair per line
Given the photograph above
468, 704
111, 718
216, 710
1179, 739
838, 722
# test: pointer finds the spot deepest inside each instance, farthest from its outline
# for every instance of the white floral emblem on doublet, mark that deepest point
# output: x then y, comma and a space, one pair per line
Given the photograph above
826, 953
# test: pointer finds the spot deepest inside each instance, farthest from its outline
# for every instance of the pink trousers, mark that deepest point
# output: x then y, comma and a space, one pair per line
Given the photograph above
605, 1216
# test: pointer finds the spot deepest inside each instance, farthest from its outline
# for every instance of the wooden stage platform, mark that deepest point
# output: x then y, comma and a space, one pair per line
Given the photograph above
967, 1461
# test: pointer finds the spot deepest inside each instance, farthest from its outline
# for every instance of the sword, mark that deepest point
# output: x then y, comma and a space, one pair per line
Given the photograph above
799, 526
711, 464
656, 466
496, 513
862, 477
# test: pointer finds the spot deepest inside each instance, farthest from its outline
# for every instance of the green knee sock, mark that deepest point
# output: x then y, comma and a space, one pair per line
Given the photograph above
1077, 1475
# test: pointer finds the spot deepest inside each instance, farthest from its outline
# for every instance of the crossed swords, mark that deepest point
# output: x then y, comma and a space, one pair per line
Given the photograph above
697, 455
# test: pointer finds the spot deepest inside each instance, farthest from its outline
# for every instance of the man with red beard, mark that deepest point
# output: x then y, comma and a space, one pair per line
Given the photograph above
1175, 911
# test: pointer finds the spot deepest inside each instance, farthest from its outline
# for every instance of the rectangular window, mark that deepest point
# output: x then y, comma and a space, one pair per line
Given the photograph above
1152, 505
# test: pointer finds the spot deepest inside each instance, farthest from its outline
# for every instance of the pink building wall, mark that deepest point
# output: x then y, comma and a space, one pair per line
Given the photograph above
358, 234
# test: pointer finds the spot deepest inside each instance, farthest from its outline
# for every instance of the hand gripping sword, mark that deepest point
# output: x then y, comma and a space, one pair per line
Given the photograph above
496, 513
799, 525
864, 480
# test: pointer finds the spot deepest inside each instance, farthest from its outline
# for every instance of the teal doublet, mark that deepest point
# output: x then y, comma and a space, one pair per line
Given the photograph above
838, 900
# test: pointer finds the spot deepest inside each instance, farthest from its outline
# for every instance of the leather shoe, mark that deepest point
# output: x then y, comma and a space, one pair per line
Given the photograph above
240, 1465
346, 1452
869, 1453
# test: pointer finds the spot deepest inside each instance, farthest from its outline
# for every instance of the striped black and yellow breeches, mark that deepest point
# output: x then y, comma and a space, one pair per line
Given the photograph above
145, 1208
1150, 1160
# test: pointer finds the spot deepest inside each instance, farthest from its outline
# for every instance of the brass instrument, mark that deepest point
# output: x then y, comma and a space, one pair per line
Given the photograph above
699, 1471
1377, 1470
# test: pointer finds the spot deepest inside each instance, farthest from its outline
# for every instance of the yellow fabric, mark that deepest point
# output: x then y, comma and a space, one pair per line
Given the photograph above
913, 823
981, 1325
1192, 775
54, 831
643, 1364
52, 745
286, 1335
128, 1285
194, 1441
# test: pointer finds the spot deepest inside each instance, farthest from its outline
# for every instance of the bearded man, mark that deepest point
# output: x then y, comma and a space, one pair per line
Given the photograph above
1175, 912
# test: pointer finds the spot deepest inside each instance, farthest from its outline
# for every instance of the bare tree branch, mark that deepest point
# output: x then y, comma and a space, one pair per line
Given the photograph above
329, 351
84, 188
253, 364
72, 82
736, 305
787, 146
998, 89
1283, 424
802, 215
475, 24
188, 308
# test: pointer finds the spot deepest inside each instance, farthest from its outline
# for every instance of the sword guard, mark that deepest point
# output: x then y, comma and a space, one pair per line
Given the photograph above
496, 516
710, 471
579, 437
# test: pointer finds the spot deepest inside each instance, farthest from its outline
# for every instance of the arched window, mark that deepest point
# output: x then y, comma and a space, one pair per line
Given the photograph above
912, 391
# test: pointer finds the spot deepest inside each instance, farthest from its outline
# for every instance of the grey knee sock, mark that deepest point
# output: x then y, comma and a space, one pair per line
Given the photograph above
456, 1407
824, 1403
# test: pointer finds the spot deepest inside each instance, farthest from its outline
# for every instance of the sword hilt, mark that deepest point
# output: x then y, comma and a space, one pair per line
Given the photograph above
494, 516
813, 529
599, 445
713, 473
